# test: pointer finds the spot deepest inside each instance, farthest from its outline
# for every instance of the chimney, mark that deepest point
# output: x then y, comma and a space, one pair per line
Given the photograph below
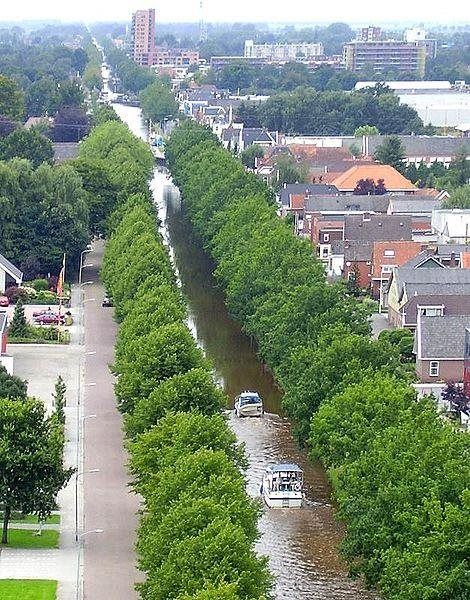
452, 262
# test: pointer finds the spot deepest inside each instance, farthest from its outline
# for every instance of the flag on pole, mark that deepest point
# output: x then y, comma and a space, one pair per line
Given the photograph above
60, 281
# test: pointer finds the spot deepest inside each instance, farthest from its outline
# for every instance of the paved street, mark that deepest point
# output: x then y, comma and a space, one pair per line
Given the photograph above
109, 557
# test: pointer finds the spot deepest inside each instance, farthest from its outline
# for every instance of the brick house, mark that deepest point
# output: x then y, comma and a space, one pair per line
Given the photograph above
360, 233
440, 348
385, 256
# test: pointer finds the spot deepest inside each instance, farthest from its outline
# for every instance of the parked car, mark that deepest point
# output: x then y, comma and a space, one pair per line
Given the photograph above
43, 311
107, 301
4, 301
50, 319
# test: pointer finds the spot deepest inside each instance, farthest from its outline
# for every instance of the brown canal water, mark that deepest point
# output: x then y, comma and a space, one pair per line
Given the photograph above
302, 545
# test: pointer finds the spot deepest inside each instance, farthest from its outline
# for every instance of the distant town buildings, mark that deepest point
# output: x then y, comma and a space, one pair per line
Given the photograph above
370, 34
283, 52
143, 37
385, 56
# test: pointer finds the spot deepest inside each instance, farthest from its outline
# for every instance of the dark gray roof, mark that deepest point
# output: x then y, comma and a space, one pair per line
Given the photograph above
374, 228
307, 189
343, 203
225, 102
425, 259
417, 206
337, 247
65, 151
424, 145
447, 249
251, 135
442, 337
213, 110
358, 250
10, 268
437, 289
3, 322
412, 275
453, 305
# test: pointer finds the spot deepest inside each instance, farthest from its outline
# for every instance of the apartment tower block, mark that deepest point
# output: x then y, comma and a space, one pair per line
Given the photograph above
143, 37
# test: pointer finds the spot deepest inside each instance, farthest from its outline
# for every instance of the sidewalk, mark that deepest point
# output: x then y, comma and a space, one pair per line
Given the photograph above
40, 366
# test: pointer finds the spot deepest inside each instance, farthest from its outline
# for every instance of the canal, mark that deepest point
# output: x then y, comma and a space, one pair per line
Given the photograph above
302, 545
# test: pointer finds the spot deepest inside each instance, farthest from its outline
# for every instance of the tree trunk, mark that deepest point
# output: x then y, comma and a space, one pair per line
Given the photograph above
6, 519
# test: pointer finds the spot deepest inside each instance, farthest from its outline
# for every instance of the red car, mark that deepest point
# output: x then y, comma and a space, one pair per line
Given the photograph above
4, 301
44, 311
50, 319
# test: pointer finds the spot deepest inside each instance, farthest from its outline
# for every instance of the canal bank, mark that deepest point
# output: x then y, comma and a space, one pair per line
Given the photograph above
302, 545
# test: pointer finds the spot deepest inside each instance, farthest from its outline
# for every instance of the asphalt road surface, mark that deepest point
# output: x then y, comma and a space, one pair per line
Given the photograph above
109, 504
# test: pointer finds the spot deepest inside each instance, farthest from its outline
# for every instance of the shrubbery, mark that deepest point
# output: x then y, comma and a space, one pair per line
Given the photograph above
196, 538
400, 474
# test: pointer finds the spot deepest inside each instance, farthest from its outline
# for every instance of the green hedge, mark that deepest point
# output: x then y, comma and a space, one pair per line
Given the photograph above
198, 528
400, 474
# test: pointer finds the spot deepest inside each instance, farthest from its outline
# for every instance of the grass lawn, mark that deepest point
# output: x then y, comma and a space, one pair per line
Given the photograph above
24, 538
17, 518
28, 589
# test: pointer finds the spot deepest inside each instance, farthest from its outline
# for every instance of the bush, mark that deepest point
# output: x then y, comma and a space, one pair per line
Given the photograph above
39, 285
15, 293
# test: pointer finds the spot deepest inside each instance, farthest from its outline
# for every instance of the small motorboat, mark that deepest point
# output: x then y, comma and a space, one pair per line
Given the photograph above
248, 404
282, 486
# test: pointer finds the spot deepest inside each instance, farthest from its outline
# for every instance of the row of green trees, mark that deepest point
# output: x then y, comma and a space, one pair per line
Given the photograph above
307, 111
133, 77
198, 526
399, 492
48, 210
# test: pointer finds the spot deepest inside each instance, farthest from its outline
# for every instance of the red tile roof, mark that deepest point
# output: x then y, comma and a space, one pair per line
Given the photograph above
403, 252
465, 260
393, 180
297, 201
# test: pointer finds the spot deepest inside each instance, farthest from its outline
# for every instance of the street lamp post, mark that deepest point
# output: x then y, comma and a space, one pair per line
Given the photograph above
77, 475
79, 590
82, 254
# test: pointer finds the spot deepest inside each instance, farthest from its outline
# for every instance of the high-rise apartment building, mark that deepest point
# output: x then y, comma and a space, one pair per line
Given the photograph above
387, 56
370, 34
283, 52
143, 37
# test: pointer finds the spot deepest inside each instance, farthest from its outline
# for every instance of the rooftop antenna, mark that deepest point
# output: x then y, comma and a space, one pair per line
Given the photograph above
202, 23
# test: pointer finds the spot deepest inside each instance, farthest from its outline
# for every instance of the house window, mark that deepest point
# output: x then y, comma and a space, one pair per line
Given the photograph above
389, 253
434, 368
326, 237
387, 268
431, 311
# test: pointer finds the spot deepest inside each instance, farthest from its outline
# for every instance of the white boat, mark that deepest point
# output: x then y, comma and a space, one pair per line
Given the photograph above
248, 404
282, 486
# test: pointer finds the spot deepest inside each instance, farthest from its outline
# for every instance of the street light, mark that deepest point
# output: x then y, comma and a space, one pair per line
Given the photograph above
91, 531
77, 475
86, 251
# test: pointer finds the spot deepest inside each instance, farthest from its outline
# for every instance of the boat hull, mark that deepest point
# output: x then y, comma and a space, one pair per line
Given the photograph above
249, 410
289, 501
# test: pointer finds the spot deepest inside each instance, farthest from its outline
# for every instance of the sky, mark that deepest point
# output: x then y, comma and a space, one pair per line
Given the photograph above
310, 11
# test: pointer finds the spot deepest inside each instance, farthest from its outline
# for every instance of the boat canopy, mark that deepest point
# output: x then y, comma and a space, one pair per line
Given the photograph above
285, 467
249, 398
